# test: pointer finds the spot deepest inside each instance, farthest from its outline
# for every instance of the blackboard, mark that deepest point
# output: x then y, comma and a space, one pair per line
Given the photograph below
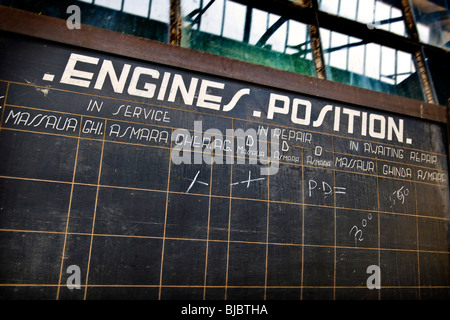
127, 179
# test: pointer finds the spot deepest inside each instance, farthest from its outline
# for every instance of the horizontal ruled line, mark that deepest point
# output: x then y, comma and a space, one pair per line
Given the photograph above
221, 196
172, 127
216, 286
242, 157
225, 241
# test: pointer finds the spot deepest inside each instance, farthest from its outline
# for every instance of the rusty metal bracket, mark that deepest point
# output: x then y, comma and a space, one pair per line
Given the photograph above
316, 43
425, 78
175, 22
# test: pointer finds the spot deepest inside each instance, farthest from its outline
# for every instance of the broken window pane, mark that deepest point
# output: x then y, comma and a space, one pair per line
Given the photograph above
369, 65
433, 21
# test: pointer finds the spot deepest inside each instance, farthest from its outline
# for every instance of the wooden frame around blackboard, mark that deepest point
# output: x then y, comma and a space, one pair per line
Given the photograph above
17, 22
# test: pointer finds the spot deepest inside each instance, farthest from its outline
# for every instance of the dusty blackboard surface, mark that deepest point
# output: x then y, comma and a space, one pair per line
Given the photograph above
123, 179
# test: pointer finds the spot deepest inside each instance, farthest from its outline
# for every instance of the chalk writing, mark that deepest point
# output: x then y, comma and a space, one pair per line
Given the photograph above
399, 196
248, 180
431, 176
318, 162
377, 149
422, 157
358, 233
325, 188
142, 134
94, 105
59, 123
195, 181
94, 127
396, 171
142, 113
357, 164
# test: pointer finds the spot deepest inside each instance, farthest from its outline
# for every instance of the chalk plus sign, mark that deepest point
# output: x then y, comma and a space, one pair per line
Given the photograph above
194, 181
248, 181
